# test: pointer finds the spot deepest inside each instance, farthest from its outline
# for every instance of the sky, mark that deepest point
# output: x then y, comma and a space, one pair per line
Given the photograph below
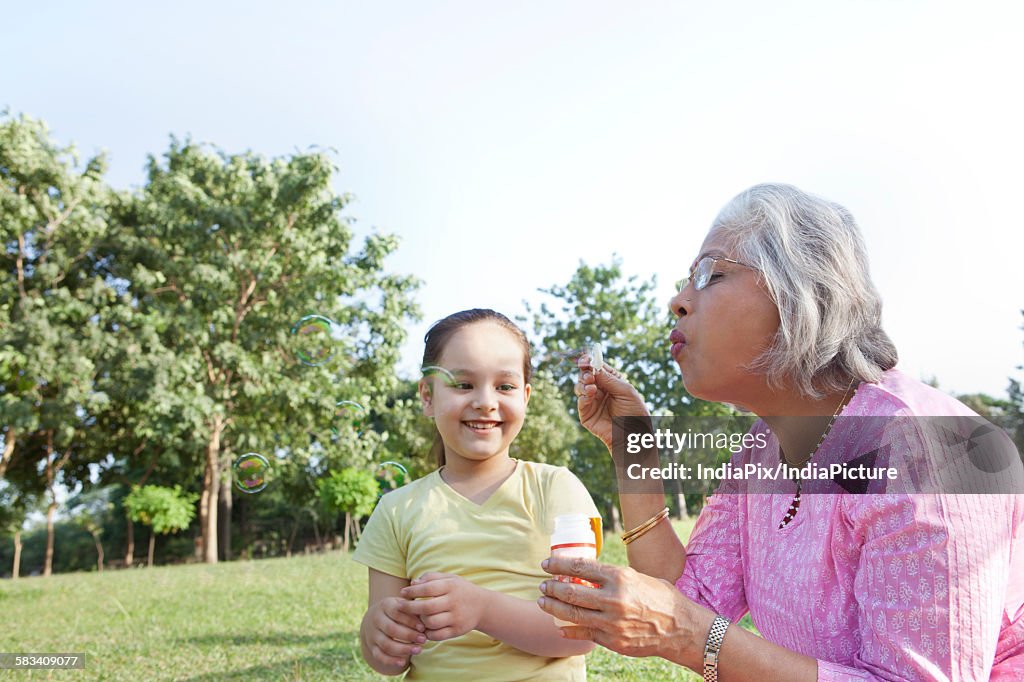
505, 143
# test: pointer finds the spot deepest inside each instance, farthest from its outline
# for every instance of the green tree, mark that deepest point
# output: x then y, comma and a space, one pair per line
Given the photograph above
985, 405
225, 253
599, 304
137, 436
53, 213
411, 434
91, 511
549, 432
14, 508
164, 510
350, 491
1007, 413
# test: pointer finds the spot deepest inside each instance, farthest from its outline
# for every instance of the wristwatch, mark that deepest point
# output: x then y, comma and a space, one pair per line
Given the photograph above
714, 643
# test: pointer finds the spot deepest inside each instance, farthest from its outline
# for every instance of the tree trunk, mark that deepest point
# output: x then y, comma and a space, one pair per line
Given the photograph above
16, 570
50, 508
613, 517
53, 468
48, 562
316, 533
245, 522
678, 501
224, 516
203, 514
291, 539
8, 454
129, 552
99, 552
344, 538
211, 490
152, 544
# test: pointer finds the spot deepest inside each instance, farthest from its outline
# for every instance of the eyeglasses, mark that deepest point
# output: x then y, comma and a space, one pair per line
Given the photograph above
701, 274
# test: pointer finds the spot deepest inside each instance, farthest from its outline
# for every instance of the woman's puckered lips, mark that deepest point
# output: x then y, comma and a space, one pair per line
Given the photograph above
678, 340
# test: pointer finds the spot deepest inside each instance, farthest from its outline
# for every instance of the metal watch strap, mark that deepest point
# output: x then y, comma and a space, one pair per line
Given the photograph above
714, 643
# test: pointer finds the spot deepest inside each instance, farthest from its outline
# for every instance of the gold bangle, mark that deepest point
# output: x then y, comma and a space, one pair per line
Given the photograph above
639, 534
646, 524
630, 536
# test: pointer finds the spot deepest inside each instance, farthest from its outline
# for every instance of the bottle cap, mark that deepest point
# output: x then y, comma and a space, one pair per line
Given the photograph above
573, 530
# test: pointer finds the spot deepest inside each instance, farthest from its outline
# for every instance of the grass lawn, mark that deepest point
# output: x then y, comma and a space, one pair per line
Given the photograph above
277, 619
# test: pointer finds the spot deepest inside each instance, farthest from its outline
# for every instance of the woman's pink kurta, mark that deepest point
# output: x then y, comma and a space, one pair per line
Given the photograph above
875, 586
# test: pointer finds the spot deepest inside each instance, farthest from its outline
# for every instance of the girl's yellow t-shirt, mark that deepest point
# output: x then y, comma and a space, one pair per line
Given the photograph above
427, 526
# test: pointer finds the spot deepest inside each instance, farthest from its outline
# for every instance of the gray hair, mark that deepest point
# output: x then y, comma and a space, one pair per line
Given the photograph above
813, 262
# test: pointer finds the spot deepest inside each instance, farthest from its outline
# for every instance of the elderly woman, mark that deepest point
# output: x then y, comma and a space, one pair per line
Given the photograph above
779, 317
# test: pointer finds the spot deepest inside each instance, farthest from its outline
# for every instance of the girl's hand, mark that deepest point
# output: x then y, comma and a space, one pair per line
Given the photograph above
447, 605
393, 635
630, 613
602, 396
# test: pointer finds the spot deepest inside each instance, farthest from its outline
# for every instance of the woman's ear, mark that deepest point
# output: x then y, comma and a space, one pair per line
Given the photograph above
426, 397
527, 390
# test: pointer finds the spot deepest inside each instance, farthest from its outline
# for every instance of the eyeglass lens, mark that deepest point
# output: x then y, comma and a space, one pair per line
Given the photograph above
700, 275
703, 272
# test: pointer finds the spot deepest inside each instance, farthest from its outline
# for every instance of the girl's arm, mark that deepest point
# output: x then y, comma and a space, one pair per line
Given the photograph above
450, 606
523, 625
388, 636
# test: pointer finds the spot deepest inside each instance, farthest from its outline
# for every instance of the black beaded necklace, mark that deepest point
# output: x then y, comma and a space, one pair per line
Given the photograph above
794, 506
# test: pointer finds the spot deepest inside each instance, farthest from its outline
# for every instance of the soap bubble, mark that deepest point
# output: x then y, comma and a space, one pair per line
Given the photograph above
593, 350
435, 371
390, 476
350, 411
251, 472
312, 339
596, 353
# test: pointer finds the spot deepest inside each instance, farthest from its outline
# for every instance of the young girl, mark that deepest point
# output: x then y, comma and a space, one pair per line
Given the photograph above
454, 557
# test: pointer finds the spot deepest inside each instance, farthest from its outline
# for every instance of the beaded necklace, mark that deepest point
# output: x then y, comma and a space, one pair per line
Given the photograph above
794, 506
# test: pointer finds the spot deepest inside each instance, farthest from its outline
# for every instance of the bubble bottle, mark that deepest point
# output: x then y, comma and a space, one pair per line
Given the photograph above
575, 536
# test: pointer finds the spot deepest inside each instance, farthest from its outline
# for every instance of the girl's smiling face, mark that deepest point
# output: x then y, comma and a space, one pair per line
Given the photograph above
482, 411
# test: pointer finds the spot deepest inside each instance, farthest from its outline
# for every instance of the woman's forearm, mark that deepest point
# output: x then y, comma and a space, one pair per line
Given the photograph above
658, 552
743, 657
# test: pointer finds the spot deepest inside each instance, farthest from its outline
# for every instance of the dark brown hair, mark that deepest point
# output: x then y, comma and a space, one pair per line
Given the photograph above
441, 331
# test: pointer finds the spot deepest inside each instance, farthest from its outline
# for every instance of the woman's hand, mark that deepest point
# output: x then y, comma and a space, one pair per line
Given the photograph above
603, 395
630, 613
447, 605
